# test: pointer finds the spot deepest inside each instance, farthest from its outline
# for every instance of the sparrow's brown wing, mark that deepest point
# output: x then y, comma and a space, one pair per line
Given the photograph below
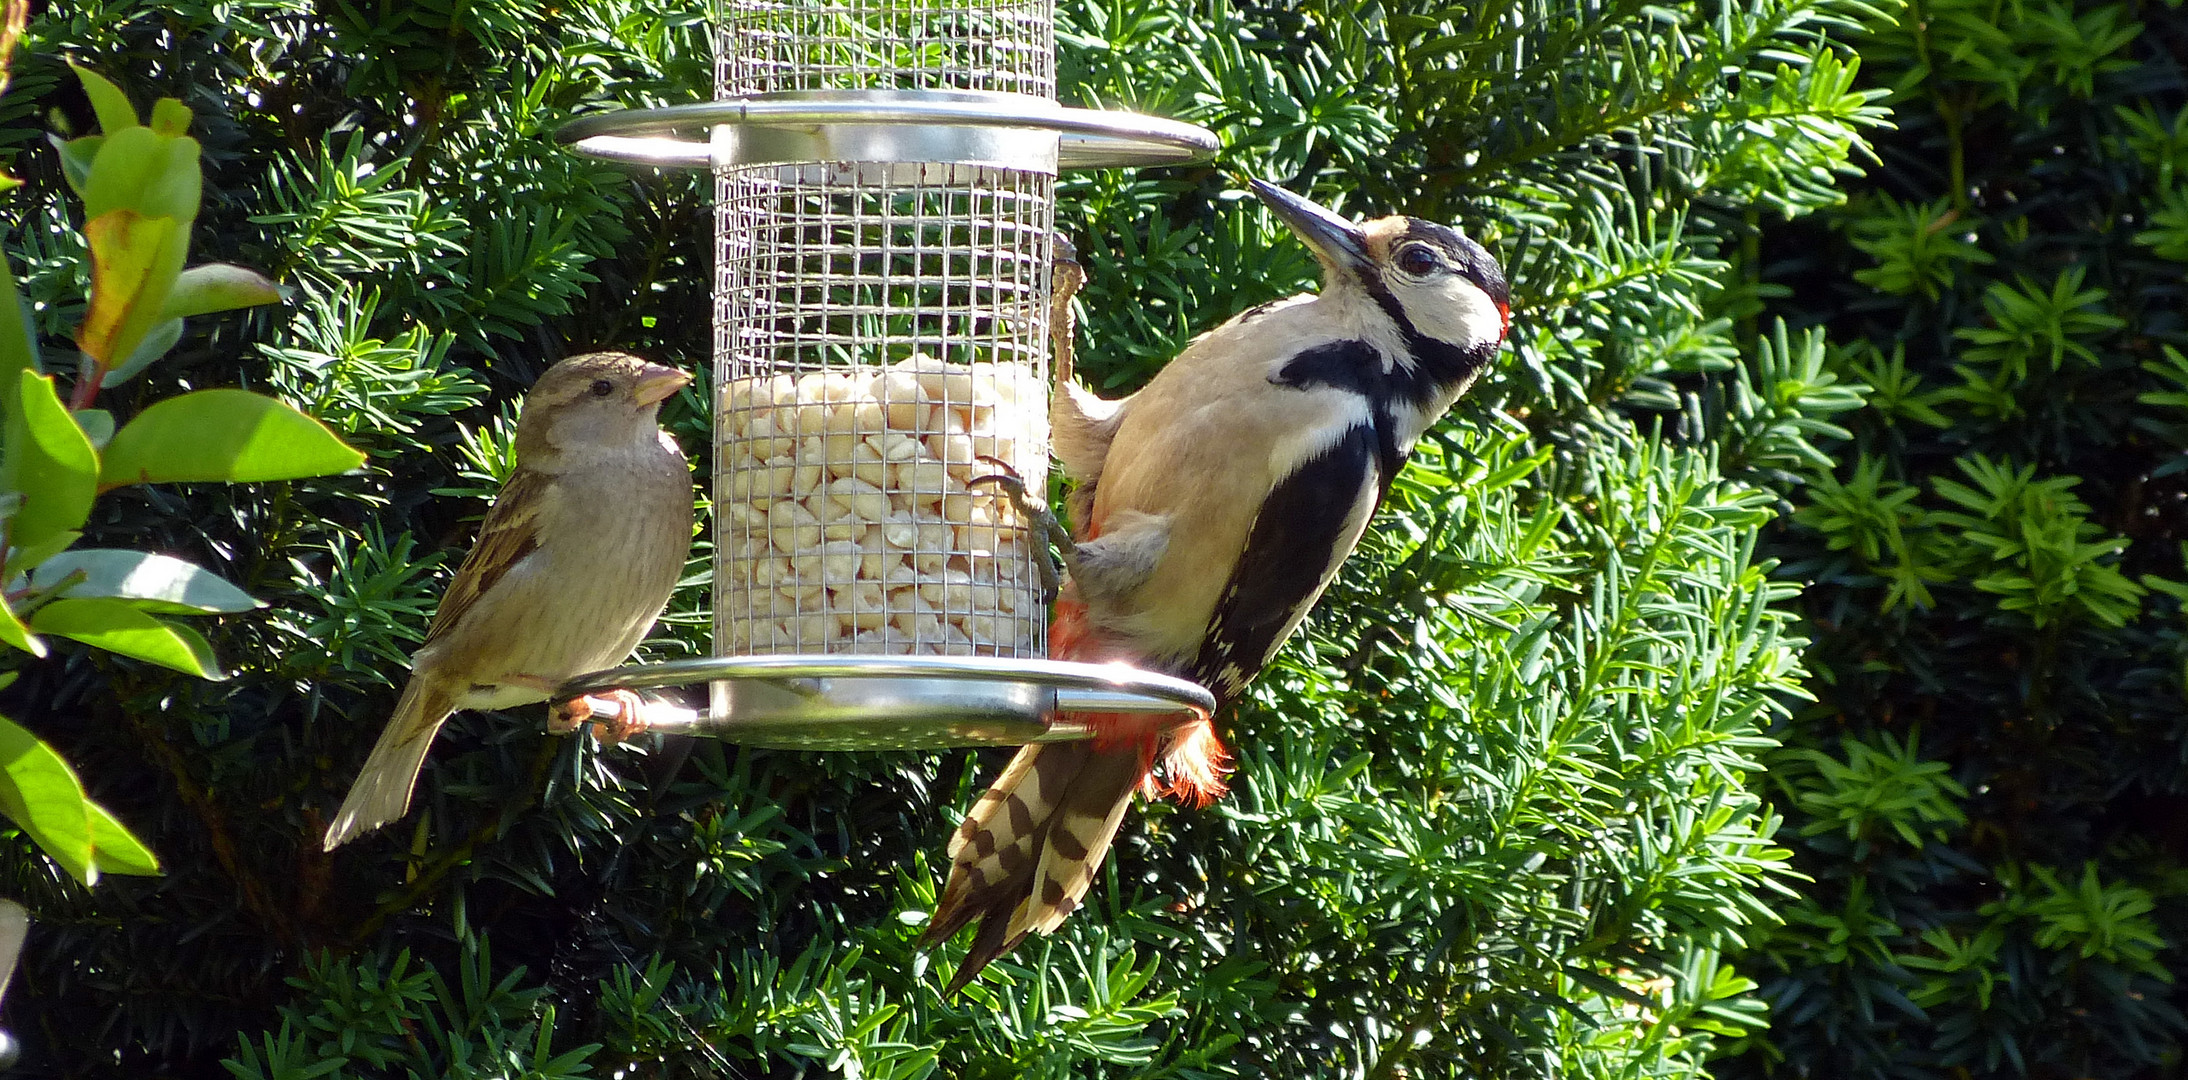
510, 532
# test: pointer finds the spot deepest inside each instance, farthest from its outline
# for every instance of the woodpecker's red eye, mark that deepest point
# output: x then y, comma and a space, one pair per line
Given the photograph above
1419, 260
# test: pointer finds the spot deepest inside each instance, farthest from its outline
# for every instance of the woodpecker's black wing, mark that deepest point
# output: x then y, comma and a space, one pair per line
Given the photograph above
1308, 525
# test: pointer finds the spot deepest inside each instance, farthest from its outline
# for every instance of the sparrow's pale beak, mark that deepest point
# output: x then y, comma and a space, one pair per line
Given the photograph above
1338, 243
660, 383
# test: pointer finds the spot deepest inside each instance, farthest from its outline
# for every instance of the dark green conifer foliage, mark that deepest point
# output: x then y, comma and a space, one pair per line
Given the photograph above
1989, 791
1493, 812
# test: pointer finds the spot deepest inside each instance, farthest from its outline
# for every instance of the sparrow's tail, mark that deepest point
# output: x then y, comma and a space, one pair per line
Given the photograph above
1028, 850
382, 791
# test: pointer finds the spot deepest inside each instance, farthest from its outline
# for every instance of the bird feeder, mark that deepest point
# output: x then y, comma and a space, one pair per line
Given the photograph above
885, 176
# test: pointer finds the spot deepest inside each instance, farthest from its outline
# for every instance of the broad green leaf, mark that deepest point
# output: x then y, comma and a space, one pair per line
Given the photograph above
28, 556
117, 849
200, 648
170, 117
39, 792
50, 462
13, 632
18, 347
76, 158
202, 290
97, 424
160, 584
107, 100
128, 165
18, 359
143, 171
223, 435
157, 340
134, 262
121, 629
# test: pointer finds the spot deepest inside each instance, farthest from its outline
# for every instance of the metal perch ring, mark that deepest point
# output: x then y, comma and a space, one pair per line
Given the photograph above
838, 702
910, 126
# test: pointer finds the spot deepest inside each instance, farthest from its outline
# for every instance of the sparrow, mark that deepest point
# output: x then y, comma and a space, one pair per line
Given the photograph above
572, 566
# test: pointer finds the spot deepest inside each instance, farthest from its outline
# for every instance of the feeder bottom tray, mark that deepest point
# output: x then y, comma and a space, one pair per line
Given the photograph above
835, 702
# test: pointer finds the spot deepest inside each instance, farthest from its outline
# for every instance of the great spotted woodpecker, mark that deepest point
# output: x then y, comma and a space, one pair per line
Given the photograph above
1211, 510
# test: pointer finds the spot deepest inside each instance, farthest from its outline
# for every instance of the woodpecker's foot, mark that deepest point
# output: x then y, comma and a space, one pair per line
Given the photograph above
1039, 520
615, 715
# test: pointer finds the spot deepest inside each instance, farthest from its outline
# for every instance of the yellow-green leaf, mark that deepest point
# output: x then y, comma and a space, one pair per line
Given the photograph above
170, 116
141, 170
134, 263
13, 632
50, 463
42, 795
76, 157
39, 792
202, 290
107, 100
18, 348
223, 435
118, 628
27, 556
158, 584
117, 849
128, 164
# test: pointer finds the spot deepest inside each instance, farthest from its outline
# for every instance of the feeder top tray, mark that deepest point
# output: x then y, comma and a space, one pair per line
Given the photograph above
911, 126
838, 702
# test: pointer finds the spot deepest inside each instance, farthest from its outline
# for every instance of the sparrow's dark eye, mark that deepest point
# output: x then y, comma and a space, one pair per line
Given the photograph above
602, 388
1419, 260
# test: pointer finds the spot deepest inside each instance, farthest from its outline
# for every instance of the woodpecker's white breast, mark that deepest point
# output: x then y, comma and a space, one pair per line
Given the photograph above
1204, 443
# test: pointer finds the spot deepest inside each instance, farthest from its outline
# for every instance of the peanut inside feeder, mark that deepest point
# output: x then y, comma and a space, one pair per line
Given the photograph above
847, 520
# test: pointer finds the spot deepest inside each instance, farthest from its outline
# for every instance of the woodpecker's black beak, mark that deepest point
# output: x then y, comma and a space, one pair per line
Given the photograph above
1338, 243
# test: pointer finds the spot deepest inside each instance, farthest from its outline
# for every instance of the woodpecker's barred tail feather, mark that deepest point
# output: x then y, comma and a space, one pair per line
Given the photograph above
1212, 509
1026, 854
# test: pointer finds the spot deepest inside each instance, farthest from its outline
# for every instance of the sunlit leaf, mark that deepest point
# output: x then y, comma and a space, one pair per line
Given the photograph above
159, 584
223, 435
13, 632
118, 627
202, 290
134, 260
118, 850
39, 792
50, 462
108, 101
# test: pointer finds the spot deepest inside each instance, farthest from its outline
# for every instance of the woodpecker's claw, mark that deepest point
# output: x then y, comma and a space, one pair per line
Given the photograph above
616, 715
1039, 520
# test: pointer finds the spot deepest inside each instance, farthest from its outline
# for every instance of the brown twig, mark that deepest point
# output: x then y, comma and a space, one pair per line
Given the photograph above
270, 914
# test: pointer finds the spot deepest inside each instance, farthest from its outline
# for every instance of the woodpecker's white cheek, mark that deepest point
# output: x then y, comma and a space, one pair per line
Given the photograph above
1454, 310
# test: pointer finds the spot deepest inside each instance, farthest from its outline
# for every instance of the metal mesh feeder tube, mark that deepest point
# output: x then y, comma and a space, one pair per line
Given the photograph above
885, 176
881, 335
